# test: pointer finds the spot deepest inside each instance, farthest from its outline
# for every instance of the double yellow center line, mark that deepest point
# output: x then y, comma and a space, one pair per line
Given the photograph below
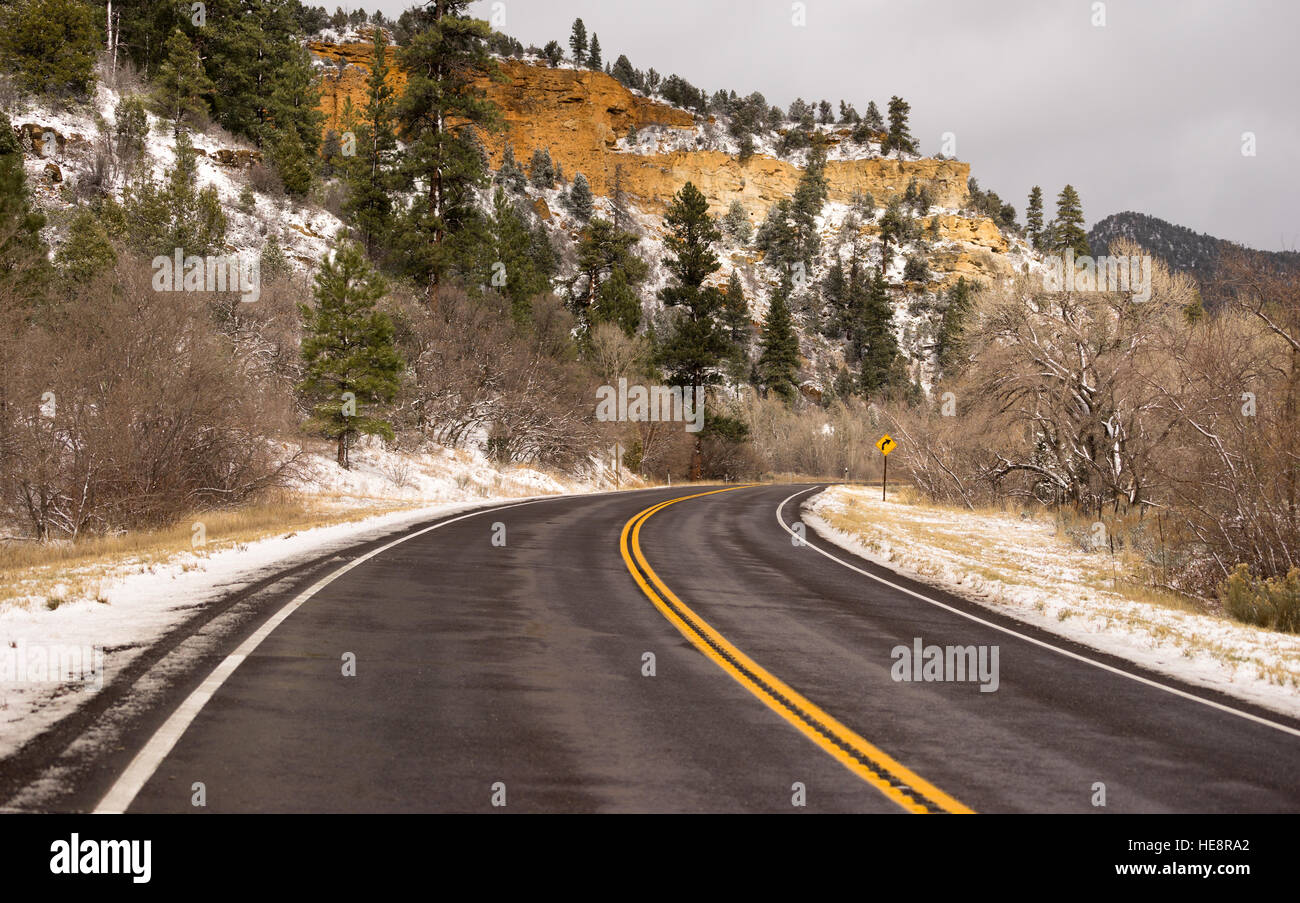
898, 783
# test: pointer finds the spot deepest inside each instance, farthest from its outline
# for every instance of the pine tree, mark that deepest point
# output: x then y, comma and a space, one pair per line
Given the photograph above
737, 222
776, 236
872, 119
351, 362
51, 45
578, 42
88, 250
541, 171
181, 83
292, 162
834, 292
736, 314
809, 197
690, 355
951, 343
264, 77
24, 265
1067, 228
273, 262
178, 214
618, 199
580, 198
593, 53
619, 302
510, 173
294, 100
130, 130
1034, 218
879, 344
369, 206
899, 137
438, 114
525, 256
778, 364
553, 53
624, 72
606, 254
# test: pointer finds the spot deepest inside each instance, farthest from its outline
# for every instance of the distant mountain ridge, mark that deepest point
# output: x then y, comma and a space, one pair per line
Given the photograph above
1198, 254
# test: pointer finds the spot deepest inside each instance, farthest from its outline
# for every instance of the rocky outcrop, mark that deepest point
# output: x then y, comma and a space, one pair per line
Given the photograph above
43, 140
239, 158
579, 115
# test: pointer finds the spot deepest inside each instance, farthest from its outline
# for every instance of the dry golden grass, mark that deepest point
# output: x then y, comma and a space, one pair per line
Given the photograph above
61, 571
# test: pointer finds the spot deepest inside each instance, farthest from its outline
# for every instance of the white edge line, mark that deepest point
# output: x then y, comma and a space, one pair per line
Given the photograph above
146, 762
1037, 642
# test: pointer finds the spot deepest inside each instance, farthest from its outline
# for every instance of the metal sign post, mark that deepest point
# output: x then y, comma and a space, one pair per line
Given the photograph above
886, 444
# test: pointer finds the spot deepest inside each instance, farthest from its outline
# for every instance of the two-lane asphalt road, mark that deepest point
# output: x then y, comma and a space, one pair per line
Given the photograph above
507, 656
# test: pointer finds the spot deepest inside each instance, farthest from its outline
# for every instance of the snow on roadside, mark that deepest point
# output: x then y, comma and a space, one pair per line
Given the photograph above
143, 600
1022, 568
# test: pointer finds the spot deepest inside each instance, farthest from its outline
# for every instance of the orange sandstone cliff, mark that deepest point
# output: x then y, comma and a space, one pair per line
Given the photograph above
580, 115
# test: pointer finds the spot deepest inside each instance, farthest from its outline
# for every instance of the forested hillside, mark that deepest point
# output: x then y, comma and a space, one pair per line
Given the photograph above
234, 229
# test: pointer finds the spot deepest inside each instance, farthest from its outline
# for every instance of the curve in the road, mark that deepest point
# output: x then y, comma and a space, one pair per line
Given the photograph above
1020, 636
897, 782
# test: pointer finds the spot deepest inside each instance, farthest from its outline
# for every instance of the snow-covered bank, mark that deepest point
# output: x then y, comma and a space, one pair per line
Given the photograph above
1023, 568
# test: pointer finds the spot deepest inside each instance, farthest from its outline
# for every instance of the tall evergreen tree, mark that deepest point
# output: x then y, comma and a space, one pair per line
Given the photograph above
439, 113
736, 312
541, 171
351, 363
292, 161
24, 265
510, 173
872, 119
809, 197
604, 288
578, 42
580, 198
899, 137
624, 72
1034, 218
293, 102
182, 83
778, 364
264, 76
951, 342
370, 179
776, 237
593, 53
524, 253
1067, 228
690, 355
880, 363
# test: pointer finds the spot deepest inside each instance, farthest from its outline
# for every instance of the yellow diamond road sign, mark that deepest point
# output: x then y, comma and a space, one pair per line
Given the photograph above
886, 444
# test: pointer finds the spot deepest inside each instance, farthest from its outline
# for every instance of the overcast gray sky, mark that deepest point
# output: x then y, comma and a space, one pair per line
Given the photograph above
1145, 113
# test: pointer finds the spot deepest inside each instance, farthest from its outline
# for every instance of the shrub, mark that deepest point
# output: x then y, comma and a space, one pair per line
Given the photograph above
51, 45
1273, 602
